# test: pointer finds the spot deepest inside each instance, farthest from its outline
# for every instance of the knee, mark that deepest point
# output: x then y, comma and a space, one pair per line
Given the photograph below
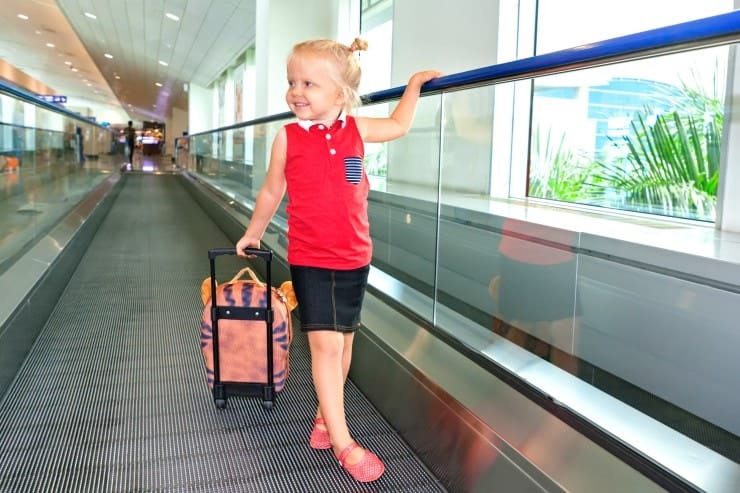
326, 344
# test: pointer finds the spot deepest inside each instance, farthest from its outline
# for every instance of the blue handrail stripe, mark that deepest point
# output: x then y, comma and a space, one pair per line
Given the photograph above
30, 97
719, 27
723, 28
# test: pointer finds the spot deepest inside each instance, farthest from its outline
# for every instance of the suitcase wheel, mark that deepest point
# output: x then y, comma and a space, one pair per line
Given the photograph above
220, 403
267, 405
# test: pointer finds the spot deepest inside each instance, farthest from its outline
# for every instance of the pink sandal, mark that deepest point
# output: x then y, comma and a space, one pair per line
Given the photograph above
368, 469
319, 438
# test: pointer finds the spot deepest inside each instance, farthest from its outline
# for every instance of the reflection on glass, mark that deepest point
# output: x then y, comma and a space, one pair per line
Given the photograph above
234, 161
43, 170
467, 141
408, 166
535, 293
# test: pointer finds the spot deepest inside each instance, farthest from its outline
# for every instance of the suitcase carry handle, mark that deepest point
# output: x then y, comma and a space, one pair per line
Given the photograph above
218, 389
252, 276
260, 252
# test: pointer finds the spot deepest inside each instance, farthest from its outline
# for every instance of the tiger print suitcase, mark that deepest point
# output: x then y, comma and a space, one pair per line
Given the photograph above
238, 328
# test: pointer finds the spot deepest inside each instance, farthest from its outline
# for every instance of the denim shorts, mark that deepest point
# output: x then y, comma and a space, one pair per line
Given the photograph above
329, 299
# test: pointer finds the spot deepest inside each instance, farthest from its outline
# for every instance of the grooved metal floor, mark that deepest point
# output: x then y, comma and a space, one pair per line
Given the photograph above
112, 397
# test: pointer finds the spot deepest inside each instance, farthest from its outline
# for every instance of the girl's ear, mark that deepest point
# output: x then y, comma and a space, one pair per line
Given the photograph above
342, 96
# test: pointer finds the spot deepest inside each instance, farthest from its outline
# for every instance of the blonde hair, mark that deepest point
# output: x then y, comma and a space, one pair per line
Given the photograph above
347, 73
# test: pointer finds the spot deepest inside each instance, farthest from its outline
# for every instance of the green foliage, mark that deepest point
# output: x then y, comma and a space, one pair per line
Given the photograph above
667, 164
376, 159
671, 167
556, 172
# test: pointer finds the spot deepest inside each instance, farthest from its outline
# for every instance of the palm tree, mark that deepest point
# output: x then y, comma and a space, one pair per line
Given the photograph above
671, 163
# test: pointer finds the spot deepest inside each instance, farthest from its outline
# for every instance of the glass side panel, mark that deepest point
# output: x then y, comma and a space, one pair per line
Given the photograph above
403, 201
46, 168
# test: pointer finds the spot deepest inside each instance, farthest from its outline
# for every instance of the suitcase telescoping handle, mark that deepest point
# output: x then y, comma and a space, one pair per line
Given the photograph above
259, 252
218, 390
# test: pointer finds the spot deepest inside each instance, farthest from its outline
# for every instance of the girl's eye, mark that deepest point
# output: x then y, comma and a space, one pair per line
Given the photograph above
291, 83
309, 84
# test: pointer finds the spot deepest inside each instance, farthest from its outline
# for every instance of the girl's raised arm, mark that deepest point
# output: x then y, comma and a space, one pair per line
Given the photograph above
398, 124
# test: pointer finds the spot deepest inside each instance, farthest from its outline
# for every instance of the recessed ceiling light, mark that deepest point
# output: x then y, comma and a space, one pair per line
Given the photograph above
23, 16
158, 84
91, 16
74, 70
118, 76
50, 45
108, 55
172, 16
162, 62
68, 62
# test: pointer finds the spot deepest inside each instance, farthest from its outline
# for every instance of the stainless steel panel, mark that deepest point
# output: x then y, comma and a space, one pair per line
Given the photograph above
673, 338
705, 253
19, 279
469, 426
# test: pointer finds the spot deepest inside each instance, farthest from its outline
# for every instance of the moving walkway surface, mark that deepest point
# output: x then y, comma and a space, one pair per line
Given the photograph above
113, 396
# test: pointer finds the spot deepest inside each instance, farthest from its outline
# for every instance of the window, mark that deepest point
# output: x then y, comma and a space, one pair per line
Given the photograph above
376, 27
590, 130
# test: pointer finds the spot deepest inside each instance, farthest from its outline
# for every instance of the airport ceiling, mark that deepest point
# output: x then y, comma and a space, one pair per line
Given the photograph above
140, 55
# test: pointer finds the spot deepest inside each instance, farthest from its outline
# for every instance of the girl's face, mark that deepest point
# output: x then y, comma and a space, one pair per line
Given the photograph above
312, 92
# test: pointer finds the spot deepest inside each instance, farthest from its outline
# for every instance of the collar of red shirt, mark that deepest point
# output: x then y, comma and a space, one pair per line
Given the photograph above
306, 124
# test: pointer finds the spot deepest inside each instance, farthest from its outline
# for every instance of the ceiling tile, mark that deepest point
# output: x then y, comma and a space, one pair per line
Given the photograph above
209, 35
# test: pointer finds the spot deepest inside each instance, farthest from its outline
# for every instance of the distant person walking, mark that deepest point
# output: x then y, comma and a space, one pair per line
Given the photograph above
130, 132
79, 142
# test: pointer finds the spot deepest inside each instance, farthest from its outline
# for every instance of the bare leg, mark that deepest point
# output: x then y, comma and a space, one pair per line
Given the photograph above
326, 366
331, 356
346, 362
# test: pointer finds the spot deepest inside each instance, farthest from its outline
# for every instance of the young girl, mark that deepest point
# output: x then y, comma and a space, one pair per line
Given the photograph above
318, 160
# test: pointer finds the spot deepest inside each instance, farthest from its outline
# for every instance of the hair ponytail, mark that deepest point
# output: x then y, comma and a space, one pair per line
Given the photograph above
358, 44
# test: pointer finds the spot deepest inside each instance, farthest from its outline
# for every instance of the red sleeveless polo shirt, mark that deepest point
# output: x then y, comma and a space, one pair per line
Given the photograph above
327, 189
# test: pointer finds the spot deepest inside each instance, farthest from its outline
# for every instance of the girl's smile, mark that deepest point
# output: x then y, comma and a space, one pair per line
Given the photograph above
312, 92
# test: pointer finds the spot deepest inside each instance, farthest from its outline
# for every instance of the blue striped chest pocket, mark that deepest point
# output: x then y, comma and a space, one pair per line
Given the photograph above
353, 169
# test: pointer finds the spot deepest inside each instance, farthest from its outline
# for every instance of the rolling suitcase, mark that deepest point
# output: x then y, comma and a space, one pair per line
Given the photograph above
239, 326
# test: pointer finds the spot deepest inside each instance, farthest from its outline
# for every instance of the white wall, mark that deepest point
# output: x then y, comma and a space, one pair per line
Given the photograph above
102, 112
430, 34
435, 34
200, 108
280, 25
175, 126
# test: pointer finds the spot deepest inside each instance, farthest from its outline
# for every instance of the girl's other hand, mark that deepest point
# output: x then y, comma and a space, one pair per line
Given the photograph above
244, 243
